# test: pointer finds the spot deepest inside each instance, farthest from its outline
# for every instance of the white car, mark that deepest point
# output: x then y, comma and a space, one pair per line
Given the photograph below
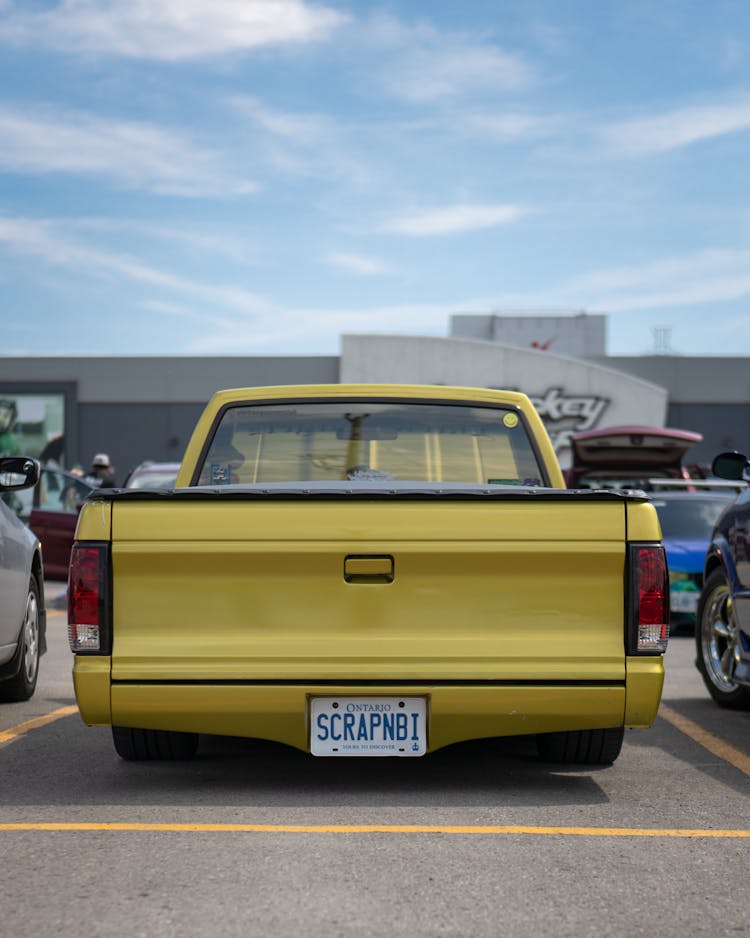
22, 612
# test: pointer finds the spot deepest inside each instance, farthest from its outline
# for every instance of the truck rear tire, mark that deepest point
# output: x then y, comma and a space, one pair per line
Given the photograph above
144, 745
581, 747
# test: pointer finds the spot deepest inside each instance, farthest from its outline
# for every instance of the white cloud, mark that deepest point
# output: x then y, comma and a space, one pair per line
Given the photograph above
426, 65
49, 241
171, 30
707, 263
356, 264
302, 143
304, 129
227, 318
450, 72
719, 289
310, 324
171, 309
134, 154
699, 278
239, 320
200, 241
672, 130
453, 219
506, 125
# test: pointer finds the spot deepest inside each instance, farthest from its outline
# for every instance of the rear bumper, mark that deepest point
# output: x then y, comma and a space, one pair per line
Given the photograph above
281, 712
455, 712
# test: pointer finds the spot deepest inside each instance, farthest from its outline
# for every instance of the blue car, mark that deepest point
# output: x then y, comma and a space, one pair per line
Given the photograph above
722, 634
687, 520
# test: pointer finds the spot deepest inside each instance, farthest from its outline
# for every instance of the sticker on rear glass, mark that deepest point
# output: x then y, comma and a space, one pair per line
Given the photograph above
510, 420
221, 473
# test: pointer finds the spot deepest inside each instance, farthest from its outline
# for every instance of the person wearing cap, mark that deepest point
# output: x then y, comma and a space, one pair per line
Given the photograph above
101, 474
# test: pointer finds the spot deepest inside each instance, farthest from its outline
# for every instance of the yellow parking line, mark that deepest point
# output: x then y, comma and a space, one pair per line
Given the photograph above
15, 731
714, 744
379, 829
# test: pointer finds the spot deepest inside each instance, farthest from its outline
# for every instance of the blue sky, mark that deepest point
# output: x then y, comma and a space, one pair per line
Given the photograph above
260, 176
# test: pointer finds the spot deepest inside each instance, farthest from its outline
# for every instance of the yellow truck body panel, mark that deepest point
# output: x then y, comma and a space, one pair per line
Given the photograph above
478, 592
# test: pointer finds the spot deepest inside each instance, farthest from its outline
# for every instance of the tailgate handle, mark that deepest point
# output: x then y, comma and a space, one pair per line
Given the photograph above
368, 568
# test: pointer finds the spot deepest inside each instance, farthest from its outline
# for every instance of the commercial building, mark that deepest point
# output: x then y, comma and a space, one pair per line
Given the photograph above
145, 408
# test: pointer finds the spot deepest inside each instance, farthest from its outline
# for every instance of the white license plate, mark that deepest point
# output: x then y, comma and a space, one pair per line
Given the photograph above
686, 601
368, 726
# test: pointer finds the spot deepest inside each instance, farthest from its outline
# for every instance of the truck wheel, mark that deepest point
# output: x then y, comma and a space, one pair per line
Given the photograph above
142, 745
717, 644
581, 747
23, 683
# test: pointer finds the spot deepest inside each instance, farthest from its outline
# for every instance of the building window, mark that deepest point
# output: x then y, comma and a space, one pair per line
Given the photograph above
32, 425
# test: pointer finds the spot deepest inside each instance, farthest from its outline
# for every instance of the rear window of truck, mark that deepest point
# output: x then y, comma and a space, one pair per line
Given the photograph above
319, 441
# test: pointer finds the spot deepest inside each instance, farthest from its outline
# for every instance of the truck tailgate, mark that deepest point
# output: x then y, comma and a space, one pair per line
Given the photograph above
343, 590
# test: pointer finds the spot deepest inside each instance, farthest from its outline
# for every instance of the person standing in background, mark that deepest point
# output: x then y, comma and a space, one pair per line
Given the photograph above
101, 474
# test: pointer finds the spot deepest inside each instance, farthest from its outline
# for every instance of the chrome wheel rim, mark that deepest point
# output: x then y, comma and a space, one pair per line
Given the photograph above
720, 640
31, 638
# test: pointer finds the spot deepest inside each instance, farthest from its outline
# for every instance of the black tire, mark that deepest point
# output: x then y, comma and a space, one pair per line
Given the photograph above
144, 745
581, 747
22, 684
716, 640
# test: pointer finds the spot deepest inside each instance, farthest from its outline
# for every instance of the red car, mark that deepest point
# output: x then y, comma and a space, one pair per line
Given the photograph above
53, 514
627, 457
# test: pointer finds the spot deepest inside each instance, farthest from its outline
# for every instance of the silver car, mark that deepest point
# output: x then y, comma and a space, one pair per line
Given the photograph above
153, 475
22, 612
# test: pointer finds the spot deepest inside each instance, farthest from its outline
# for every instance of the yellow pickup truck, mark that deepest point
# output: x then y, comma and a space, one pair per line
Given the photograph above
368, 570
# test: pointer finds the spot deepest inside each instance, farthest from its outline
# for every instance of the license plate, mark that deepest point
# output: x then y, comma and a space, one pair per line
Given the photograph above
686, 601
368, 726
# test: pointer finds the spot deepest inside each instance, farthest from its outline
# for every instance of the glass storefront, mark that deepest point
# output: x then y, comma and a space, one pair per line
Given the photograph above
32, 425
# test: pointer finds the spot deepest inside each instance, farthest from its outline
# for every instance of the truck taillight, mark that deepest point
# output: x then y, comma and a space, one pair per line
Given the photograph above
88, 599
649, 600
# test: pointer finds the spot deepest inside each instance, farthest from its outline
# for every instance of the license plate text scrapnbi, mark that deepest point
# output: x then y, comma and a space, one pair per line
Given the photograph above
368, 726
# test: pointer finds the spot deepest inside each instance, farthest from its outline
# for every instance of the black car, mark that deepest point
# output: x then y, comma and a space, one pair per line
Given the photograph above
723, 618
